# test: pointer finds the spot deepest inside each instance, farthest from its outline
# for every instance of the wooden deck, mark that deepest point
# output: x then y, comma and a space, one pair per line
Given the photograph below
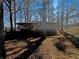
15, 48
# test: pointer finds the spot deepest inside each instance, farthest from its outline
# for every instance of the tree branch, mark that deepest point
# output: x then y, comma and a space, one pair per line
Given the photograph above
6, 3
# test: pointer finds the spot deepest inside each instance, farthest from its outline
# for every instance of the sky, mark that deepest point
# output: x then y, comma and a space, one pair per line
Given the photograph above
6, 14
55, 3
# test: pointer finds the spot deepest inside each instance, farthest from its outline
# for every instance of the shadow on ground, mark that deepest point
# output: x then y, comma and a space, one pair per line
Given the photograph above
31, 49
24, 35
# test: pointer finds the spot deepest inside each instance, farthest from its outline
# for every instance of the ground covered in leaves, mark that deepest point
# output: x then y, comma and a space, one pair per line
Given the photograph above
47, 50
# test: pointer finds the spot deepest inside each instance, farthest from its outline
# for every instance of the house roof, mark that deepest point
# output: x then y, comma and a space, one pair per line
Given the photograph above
25, 23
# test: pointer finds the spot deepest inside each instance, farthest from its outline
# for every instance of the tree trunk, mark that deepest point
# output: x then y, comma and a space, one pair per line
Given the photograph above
44, 15
62, 15
11, 22
67, 14
58, 16
2, 41
21, 16
15, 13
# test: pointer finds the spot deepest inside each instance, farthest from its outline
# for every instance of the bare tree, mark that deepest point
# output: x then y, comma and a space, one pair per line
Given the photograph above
67, 14
12, 10
20, 15
71, 13
15, 13
2, 41
27, 9
58, 15
9, 5
62, 15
